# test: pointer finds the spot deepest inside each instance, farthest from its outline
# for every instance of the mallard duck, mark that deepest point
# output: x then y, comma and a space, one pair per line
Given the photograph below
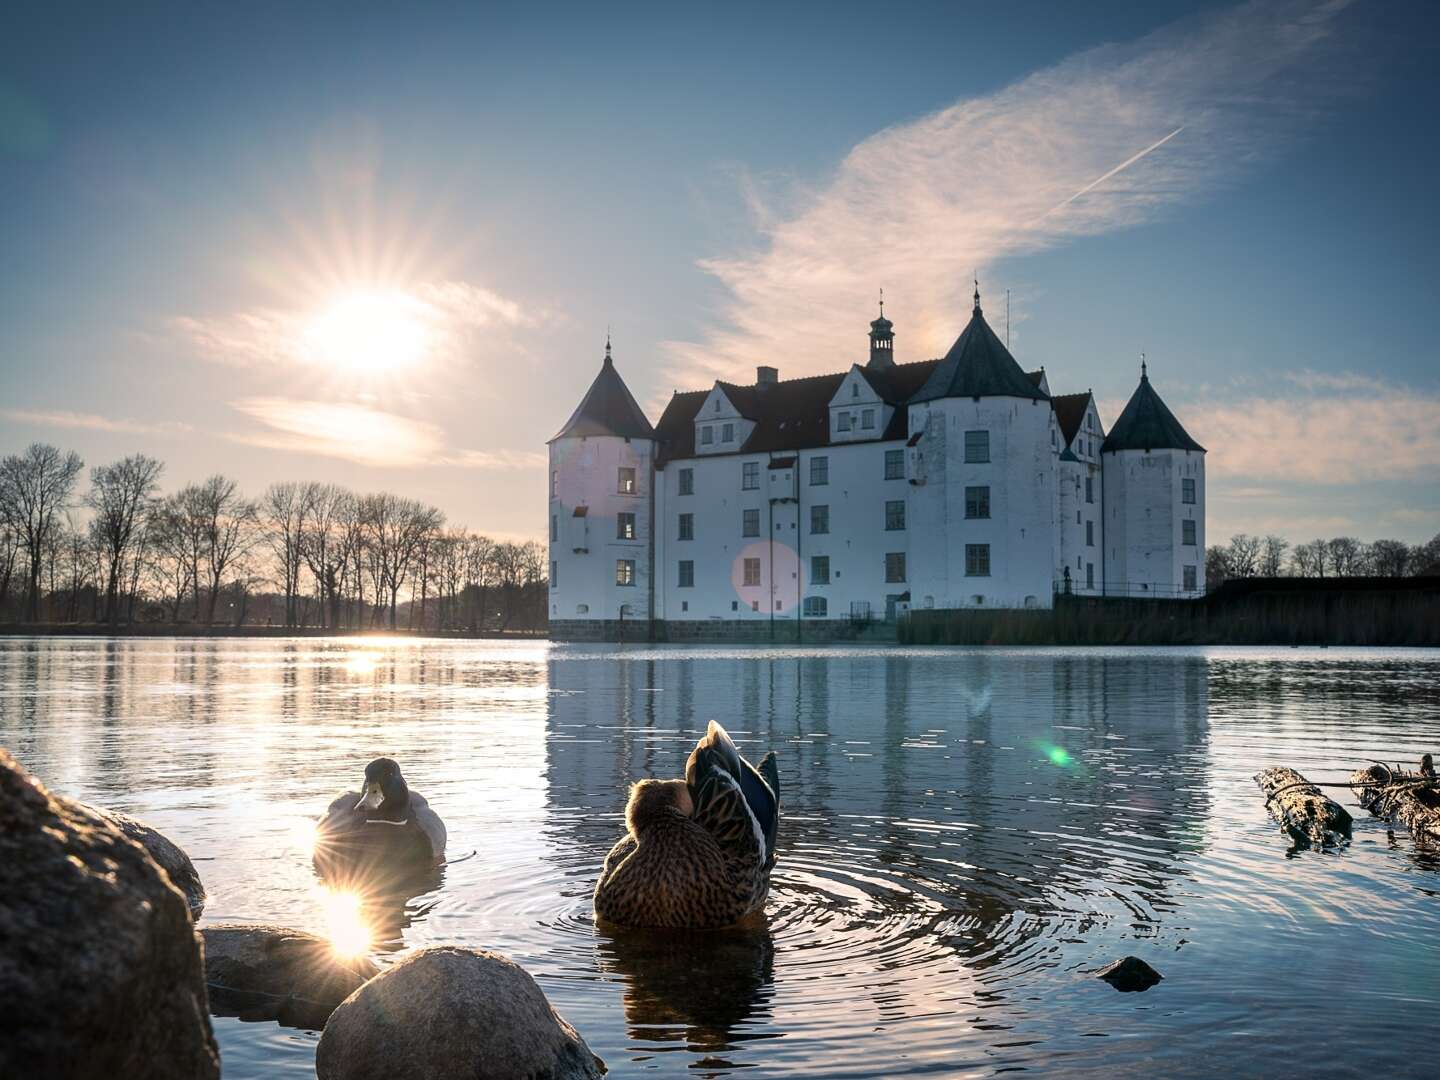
697, 852
383, 828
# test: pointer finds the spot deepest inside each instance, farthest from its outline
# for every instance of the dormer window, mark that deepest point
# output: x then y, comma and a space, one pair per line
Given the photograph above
727, 433
717, 405
707, 435
844, 418
867, 418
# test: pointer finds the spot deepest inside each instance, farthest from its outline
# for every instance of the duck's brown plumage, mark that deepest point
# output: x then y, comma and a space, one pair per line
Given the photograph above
697, 853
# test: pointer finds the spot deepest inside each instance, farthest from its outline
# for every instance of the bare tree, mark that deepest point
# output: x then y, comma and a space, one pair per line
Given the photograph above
34, 487
1347, 556
1243, 555
1312, 559
119, 495
1390, 558
1425, 559
1272, 555
223, 523
324, 541
1217, 567
9, 554
283, 511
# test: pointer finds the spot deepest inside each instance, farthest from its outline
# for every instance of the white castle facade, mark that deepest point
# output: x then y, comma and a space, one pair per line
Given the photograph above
806, 508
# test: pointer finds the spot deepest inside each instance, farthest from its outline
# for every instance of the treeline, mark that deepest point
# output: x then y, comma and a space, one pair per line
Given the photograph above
1249, 556
118, 550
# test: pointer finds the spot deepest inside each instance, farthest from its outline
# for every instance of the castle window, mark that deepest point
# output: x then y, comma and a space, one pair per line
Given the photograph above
1089, 534
815, 607
977, 560
750, 523
554, 574
755, 604
625, 483
1089, 489
717, 405
819, 471
554, 482
1187, 532
750, 476
977, 447
707, 435
687, 574
751, 572
1089, 575
894, 515
624, 571
854, 389
819, 569
844, 418
582, 609
867, 418
687, 526
687, 481
727, 433
895, 566
554, 526
1189, 572
894, 464
624, 526
977, 502
819, 520
1187, 492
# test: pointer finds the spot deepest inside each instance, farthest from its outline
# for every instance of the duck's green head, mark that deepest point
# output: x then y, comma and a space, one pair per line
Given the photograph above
384, 788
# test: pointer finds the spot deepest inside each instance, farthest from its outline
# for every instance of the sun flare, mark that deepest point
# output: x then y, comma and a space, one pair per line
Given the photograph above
369, 332
345, 923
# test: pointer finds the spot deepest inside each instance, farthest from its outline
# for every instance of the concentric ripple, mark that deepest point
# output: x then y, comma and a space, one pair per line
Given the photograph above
966, 836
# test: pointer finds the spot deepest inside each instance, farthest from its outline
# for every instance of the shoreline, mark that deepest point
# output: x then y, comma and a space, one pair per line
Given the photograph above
191, 630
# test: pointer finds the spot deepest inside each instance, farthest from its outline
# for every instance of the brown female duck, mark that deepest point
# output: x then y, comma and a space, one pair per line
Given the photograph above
697, 852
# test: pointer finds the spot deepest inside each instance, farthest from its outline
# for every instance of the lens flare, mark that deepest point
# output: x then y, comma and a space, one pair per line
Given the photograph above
345, 922
1056, 755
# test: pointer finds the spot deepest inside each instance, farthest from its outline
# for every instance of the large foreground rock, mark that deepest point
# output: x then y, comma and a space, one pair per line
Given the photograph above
451, 1012
100, 968
168, 855
260, 972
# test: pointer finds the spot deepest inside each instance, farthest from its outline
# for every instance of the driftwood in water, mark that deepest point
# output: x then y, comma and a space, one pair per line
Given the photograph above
1301, 809
1407, 797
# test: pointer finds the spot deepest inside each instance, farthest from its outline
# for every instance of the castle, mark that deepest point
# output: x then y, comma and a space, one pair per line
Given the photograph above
806, 508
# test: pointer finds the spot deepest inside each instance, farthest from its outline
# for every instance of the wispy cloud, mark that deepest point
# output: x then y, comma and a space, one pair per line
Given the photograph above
446, 313
368, 436
60, 418
1108, 139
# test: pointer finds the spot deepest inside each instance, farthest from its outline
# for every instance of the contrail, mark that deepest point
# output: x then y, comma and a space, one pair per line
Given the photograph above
1118, 168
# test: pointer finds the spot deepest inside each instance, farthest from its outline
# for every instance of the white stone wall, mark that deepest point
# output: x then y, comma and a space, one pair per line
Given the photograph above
856, 492
585, 473
1081, 521
1024, 503
1145, 552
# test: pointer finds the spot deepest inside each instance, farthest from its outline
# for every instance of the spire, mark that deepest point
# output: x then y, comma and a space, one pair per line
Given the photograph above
608, 360
977, 294
1147, 424
608, 408
882, 340
1144, 377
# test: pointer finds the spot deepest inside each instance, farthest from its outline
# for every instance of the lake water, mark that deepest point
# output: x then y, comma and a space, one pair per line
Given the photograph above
966, 835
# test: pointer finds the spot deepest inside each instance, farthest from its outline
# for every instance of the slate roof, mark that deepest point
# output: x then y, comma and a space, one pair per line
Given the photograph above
1146, 424
1070, 412
978, 365
608, 409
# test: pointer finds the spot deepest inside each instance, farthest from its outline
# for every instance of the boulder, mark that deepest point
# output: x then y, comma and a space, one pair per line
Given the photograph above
448, 1012
168, 855
1129, 975
259, 972
100, 966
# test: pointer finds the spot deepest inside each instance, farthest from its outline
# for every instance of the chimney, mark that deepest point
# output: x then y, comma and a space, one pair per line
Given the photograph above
766, 375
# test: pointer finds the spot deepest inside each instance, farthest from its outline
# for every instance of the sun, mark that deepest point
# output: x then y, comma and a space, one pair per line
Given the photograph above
369, 332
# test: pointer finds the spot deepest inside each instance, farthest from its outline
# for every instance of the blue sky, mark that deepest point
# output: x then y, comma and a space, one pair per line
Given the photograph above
382, 247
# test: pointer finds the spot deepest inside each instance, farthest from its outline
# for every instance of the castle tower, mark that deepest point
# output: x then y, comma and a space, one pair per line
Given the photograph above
983, 478
882, 340
601, 516
1154, 513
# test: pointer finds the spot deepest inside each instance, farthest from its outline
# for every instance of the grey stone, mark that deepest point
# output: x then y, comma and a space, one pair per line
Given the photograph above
168, 855
450, 1012
1129, 975
260, 972
100, 967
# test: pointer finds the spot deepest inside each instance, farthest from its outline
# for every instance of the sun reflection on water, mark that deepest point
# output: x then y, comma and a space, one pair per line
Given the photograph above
345, 922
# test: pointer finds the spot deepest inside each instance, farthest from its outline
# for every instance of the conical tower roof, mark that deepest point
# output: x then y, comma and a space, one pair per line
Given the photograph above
978, 365
608, 408
1146, 424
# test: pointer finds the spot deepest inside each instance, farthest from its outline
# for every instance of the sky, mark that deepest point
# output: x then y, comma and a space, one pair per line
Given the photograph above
382, 245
